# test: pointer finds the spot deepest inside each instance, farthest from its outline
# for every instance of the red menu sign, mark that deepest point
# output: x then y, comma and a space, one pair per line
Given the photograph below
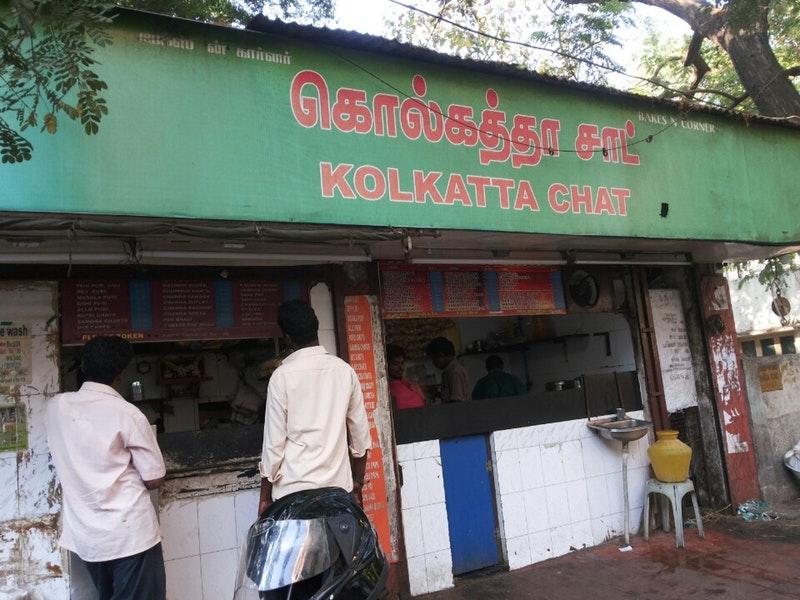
361, 348
412, 291
171, 309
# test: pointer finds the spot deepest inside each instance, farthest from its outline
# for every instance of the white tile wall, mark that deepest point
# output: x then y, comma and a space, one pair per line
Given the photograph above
559, 487
425, 528
183, 581
179, 529
246, 507
217, 519
201, 538
218, 573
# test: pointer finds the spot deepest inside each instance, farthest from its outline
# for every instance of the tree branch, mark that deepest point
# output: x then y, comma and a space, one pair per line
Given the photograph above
702, 16
695, 59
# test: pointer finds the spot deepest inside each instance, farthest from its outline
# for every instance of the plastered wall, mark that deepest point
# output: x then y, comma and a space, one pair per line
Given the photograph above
30, 560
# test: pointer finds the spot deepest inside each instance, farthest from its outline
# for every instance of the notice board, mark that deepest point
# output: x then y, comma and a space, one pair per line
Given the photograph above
674, 355
413, 291
142, 310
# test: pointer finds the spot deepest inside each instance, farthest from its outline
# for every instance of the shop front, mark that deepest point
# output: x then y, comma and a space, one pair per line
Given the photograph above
558, 240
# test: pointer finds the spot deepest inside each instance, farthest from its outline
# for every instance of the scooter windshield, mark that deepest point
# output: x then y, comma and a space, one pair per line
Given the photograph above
279, 553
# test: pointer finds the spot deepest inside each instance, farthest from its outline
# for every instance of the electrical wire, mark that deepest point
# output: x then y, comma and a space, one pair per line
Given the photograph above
603, 150
561, 53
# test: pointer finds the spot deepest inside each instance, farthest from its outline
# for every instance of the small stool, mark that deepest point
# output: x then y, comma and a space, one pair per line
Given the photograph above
674, 493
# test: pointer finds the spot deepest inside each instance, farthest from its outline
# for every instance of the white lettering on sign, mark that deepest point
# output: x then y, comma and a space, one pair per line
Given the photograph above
156, 39
15, 355
659, 119
258, 54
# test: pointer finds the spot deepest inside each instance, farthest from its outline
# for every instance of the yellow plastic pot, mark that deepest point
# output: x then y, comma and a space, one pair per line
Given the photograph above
670, 457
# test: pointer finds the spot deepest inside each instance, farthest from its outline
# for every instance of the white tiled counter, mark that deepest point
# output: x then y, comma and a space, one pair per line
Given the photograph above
558, 488
430, 566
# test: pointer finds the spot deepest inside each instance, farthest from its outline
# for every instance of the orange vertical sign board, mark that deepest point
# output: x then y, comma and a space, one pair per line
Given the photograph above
361, 355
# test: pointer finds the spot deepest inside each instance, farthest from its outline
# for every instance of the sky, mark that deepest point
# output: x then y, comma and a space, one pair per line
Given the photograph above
369, 16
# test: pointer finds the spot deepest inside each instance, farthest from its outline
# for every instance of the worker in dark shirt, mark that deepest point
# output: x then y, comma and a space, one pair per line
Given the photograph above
497, 383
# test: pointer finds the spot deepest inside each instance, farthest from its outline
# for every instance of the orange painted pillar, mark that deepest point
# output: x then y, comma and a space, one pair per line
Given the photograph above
730, 391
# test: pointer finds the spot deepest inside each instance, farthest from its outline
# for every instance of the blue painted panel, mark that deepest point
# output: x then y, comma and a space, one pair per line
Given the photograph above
469, 492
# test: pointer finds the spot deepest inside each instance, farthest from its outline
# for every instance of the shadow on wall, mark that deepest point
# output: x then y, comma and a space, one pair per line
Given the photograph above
773, 386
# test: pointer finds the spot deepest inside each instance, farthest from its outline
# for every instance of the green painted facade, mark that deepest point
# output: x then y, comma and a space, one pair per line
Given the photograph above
202, 125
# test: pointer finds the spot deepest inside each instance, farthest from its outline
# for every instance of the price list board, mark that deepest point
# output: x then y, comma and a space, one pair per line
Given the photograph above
361, 356
142, 310
414, 291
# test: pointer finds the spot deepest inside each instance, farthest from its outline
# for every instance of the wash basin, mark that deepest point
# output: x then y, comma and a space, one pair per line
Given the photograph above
624, 430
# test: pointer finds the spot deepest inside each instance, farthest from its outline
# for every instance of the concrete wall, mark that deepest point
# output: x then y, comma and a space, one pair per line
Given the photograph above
775, 419
558, 488
30, 560
752, 304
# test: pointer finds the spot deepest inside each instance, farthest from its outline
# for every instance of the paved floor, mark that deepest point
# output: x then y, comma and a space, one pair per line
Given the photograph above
736, 561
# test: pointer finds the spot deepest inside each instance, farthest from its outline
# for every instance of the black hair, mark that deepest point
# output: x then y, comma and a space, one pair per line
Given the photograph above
296, 319
494, 362
105, 357
440, 346
394, 351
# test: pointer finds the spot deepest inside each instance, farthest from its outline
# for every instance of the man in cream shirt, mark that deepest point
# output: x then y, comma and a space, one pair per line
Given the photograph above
107, 458
316, 432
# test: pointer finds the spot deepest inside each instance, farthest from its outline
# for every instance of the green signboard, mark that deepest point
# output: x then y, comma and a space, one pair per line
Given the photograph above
214, 123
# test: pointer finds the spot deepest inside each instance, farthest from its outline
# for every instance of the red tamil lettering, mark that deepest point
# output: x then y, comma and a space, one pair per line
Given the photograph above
457, 191
561, 205
587, 141
503, 185
622, 195
609, 138
460, 127
333, 179
549, 129
308, 110
581, 198
350, 112
395, 193
425, 185
526, 142
363, 175
384, 109
493, 133
525, 197
480, 184
628, 158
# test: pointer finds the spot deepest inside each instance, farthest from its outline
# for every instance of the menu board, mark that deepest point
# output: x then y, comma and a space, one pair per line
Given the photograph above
361, 349
674, 355
412, 291
143, 310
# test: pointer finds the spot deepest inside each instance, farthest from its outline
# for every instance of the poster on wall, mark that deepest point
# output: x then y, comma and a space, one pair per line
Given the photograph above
142, 310
361, 356
674, 355
15, 355
414, 291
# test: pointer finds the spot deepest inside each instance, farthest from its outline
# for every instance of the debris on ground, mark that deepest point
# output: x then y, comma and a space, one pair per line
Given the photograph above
756, 510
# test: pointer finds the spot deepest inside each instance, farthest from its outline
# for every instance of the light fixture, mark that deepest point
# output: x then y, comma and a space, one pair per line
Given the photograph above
183, 257
487, 261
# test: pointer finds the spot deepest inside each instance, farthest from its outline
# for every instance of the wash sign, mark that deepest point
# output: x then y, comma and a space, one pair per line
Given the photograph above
214, 123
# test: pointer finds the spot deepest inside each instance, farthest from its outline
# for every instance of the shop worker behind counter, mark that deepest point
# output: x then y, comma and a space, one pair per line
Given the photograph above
314, 411
107, 458
497, 383
455, 380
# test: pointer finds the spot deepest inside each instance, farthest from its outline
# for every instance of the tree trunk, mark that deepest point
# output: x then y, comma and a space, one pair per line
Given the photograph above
760, 73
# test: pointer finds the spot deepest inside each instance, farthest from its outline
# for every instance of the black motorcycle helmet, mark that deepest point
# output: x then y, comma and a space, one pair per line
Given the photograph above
312, 545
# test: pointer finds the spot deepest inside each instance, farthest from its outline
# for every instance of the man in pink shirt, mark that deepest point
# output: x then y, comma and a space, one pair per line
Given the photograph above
107, 458
405, 394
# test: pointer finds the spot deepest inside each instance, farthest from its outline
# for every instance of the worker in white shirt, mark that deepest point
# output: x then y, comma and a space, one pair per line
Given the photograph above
316, 433
107, 458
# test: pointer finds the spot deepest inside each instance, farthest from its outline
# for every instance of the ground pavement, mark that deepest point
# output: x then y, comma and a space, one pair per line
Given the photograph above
736, 561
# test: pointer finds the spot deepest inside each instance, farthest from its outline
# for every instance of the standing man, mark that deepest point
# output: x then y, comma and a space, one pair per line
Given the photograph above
404, 393
497, 383
455, 380
316, 432
107, 458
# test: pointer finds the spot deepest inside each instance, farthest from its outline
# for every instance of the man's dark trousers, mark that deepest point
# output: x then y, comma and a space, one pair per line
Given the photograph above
136, 577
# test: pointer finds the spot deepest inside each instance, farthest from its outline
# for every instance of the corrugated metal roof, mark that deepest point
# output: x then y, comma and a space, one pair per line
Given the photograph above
380, 45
